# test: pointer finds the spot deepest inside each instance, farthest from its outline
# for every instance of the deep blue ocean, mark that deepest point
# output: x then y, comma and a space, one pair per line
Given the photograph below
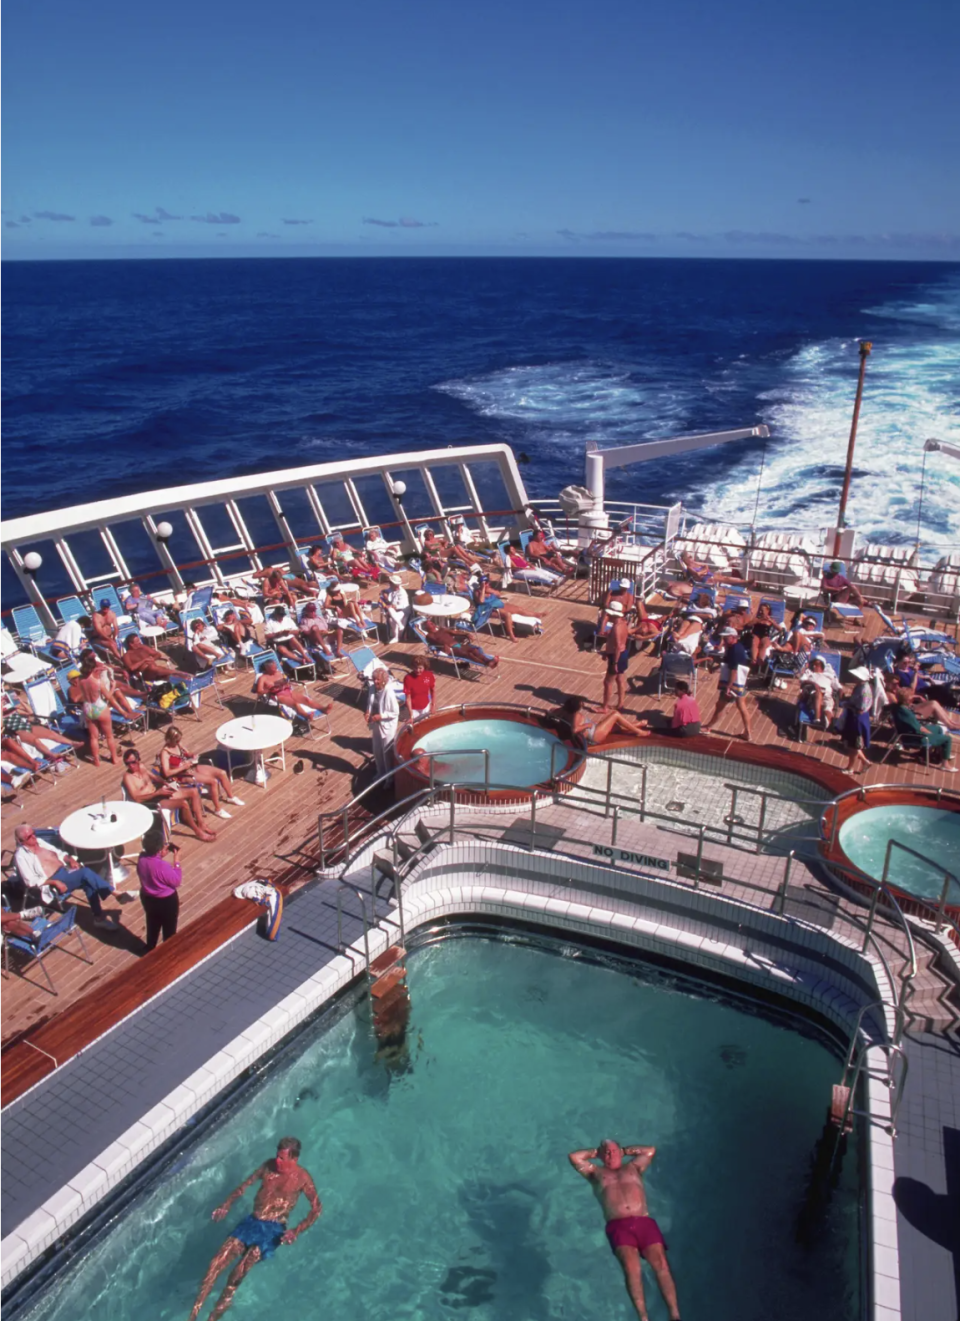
122, 376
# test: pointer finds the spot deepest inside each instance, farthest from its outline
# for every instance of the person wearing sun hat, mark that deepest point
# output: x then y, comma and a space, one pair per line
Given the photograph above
734, 670
855, 730
617, 651
395, 605
619, 590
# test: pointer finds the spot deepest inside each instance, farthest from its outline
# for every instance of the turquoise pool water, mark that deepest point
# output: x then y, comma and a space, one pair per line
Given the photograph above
928, 830
519, 754
446, 1188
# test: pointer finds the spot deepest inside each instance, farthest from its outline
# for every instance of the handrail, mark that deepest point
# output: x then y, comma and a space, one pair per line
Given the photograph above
861, 791
345, 885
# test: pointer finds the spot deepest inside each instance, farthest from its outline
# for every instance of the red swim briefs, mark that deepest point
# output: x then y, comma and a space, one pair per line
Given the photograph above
640, 1232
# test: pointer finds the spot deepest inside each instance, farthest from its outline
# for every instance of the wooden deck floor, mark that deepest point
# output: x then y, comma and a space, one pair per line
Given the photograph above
262, 838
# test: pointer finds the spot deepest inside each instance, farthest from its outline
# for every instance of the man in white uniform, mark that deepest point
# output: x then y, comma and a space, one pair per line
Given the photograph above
396, 606
383, 717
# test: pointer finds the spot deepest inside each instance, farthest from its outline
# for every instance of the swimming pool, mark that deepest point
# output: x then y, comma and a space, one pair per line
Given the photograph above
931, 831
523, 752
446, 1186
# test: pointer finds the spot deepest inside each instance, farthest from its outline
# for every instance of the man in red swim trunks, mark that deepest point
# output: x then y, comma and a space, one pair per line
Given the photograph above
632, 1233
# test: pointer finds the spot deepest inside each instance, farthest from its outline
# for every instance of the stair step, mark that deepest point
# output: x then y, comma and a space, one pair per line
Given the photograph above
385, 961
398, 995
838, 1106
385, 984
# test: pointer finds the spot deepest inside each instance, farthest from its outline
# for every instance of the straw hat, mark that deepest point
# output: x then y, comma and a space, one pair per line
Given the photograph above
395, 579
614, 608
861, 672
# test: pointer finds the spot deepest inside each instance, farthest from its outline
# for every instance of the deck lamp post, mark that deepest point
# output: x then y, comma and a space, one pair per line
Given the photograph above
399, 490
164, 531
32, 562
865, 348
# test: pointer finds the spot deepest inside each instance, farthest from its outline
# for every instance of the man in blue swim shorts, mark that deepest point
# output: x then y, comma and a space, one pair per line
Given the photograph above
631, 1231
282, 1180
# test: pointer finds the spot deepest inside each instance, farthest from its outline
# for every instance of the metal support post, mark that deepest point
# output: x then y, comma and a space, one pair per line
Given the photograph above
786, 881
616, 823
696, 879
941, 906
606, 806
761, 823
643, 791
733, 812
453, 813
533, 820
870, 916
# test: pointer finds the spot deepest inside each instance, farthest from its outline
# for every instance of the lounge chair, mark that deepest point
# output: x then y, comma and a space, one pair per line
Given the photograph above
46, 939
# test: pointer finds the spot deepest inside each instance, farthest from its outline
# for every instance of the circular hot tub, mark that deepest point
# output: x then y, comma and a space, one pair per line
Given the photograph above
935, 833
524, 753
856, 844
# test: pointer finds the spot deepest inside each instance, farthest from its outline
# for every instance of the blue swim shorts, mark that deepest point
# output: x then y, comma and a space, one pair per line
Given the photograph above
262, 1234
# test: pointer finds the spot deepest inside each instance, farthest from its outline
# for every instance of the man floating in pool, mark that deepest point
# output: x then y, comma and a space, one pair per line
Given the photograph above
632, 1233
259, 1235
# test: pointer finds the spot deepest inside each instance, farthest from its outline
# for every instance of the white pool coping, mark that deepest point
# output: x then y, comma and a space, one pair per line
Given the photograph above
446, 884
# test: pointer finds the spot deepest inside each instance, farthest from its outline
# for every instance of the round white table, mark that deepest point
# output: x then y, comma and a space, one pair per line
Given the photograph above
349, 589
150, 630
21, 666
256, 734
445, 607
106, 826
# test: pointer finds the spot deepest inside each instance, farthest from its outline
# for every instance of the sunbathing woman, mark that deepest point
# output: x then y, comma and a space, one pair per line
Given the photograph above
596, 729
762, 625
148, 663
275, 589
346, 609
143, 786
276, 687
180, 767
317, 628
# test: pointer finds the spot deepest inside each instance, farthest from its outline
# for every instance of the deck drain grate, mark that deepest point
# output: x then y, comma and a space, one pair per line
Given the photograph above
675, 806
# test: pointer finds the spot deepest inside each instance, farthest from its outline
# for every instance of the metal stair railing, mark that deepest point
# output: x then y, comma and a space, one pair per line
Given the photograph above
358, 893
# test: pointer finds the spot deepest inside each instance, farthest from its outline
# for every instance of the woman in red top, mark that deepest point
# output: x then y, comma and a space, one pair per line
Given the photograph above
418, 688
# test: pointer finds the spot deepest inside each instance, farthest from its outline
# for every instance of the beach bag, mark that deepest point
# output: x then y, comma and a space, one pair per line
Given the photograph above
173, 694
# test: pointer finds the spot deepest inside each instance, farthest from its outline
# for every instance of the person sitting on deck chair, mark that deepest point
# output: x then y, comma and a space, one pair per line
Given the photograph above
143, 609
205, 644
696, 572
456, 644
258, 1236
527, 572
926, 733
274, 685
237, 634
281, 634
105, 628
549, 557
835, 586
148, 663
53, 872
819, 687
318, 628
147, 787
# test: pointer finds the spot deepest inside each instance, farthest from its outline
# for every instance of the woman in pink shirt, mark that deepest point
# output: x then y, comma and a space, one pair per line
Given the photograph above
686, 713
159, 886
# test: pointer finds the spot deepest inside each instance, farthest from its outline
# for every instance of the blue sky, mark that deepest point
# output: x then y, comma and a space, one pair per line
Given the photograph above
606, 127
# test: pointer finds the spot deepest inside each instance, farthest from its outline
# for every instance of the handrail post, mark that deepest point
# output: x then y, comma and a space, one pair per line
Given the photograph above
432, 778
346, 828
696, 879
486, 769
941, 906
870, 916
533, 820
323, 855
761, 823
733, 812
786, 881
616, 823
606, 805
453, 812
643, 792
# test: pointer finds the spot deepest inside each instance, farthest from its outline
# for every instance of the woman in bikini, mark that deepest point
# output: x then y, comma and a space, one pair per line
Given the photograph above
94, 689
762, 625
348, 610
178, 766
573, 717
276, 687
143, 786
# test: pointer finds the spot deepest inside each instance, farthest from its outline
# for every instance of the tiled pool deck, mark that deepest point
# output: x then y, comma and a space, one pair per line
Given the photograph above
133, 1089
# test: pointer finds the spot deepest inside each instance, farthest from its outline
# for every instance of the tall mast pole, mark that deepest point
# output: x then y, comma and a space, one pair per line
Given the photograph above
865, 347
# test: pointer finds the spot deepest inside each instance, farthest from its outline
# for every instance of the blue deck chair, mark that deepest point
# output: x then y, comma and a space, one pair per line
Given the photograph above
71, 607
365, 662
68, 719
110, 593
778, 607
268, 704
676, 665
29, 627
38, 946
43, 696
472, 668
733, 599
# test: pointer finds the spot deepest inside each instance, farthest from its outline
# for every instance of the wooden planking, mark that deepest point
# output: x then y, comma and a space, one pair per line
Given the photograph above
263, 838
